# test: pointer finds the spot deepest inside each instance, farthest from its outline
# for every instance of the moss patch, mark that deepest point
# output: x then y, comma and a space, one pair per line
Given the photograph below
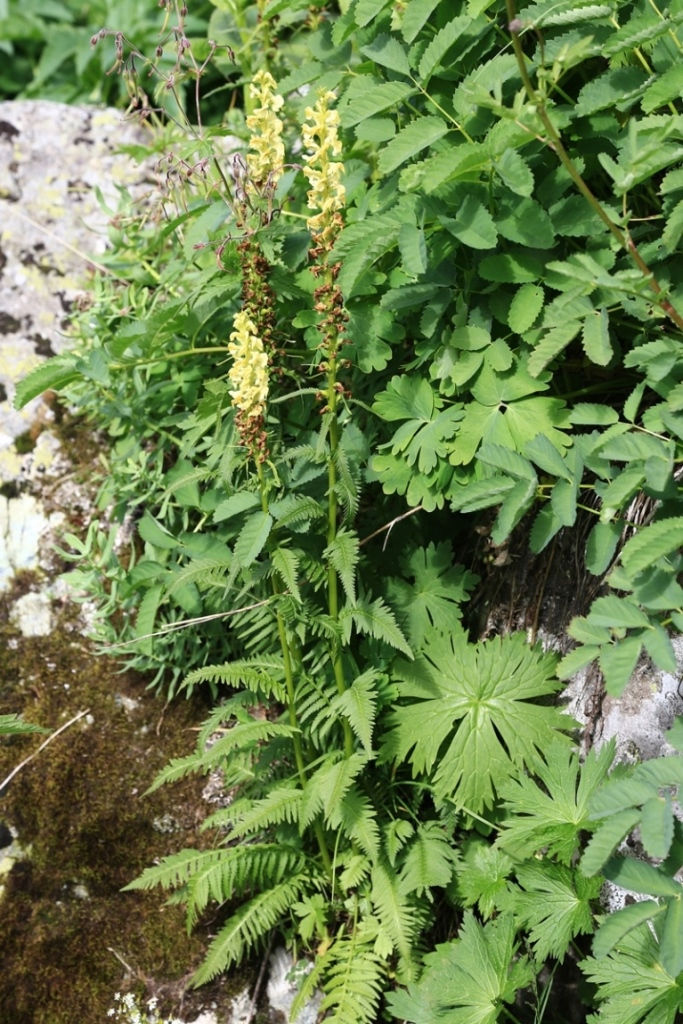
70, 938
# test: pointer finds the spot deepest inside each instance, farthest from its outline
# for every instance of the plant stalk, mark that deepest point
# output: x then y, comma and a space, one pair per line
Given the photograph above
623, 238
291, 695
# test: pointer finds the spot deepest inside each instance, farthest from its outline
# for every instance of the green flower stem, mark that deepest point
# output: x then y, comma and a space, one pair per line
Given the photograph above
624, 239
291, 696
332, 514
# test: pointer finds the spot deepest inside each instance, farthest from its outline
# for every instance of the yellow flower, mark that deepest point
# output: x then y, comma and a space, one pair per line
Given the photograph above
249, 372
265, 163
327, 194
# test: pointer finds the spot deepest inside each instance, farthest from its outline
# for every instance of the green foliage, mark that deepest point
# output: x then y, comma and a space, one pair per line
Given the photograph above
14, 725
488, 337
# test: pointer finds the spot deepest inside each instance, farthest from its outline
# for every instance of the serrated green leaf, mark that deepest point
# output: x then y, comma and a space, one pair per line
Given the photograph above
576, 660
387, 51
413, 249
587, 632
595, 337
638, 876
657, 826
618, 662
525, 307
481, 875
53, 375
474, 226
665, 88
652, 543
286, 565
515, 172
374, 100
551, 345
619, 924
516, 504
416, 15
601, 546
617, 612
441, 44
589, 414
546, 456
546, 526
236, 503
374, 618
672, 938
155, 534
622, 488
416, 136
605, 840
658, 645
343, 554
563, 500
376, 129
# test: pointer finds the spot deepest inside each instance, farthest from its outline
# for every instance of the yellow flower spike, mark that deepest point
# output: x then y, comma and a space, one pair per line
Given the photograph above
266, 162
249, 371
327, 194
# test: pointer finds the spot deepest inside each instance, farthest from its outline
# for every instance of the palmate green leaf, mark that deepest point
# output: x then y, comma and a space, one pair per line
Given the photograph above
473, 697
466, 981
430, 860
651, 543
633, 987
434, 597
553, 903
423, 438
552, 816
481, 875
416, 136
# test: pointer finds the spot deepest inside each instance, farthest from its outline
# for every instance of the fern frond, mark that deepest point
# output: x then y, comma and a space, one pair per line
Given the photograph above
262, 675
327, 788
347, 485
398, 917
174, 870
354, 978
343, 554
204, 572
359, 820
281, 804
238, 870
240, 736
358, 704
247, 927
